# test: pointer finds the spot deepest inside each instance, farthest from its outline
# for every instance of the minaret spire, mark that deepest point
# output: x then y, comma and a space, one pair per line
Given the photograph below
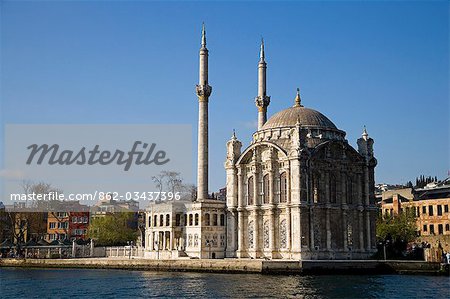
262, 101
203, 36
203, 92
261, 52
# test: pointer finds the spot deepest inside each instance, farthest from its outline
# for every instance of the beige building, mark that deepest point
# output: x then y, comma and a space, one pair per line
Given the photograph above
431, 207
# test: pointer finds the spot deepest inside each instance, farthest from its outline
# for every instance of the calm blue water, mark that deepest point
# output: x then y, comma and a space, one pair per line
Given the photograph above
43, 283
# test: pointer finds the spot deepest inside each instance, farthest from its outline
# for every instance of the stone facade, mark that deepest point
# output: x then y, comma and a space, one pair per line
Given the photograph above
185, 229
298, 191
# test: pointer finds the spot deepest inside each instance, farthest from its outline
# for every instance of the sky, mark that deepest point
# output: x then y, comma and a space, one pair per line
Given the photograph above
380, 64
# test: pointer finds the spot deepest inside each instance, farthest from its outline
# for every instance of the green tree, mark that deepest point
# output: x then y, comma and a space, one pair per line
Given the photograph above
395, 232
401, 227
113, 229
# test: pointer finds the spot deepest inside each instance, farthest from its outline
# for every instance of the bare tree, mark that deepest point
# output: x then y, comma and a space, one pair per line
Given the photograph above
171, 181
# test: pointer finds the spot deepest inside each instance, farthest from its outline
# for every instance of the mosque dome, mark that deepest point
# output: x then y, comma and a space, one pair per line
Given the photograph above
304, 116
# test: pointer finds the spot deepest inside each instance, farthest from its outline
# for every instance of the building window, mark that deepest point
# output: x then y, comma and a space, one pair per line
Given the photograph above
430, 210
61, 214
440, 229
185, 219
155, 220
52, 225
74, 219
161, 220
63, 224
283, 187
167, 220
222, 220
349, 190
250, 191
432, 229
149, 220
418, 211
207, 219
424, 227
446, 208
178, 220
439, 210
447, 227
424, 210
332, 187
190, 220
266, 188
196, 219
85, 219
196, 239
215, 219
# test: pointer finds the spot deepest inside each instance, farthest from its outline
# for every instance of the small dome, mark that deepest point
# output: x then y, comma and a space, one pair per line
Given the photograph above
305, 116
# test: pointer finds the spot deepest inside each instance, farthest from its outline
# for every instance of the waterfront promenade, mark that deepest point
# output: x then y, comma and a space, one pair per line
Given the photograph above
239, 265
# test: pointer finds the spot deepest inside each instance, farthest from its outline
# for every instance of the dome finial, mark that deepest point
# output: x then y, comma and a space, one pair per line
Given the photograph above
365, 135
298, 100
233, 137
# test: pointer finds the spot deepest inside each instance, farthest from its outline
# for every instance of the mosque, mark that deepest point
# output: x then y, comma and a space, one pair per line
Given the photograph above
299, 191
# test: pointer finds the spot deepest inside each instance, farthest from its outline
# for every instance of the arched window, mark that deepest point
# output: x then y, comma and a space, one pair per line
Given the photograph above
167, 220
155, 220
266, 188
196, 219
349, 191
332, 186
283, 187
190, 220
250, 191
215, 219
178, 220
161, 220
150, 221
185, 218
222, 220
207, 219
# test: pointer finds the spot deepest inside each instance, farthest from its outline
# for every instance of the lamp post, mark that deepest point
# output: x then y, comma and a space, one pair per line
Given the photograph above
208, 244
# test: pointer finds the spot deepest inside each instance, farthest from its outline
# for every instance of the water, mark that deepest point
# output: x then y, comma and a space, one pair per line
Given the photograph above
45, 283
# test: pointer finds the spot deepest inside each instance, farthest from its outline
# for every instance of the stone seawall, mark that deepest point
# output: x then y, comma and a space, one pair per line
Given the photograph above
238, 266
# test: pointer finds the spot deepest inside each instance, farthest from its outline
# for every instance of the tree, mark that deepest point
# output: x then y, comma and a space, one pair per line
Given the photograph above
397, 231
171, 181
113, 229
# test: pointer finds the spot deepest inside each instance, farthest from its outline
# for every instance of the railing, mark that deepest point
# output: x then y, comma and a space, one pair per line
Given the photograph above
125, 251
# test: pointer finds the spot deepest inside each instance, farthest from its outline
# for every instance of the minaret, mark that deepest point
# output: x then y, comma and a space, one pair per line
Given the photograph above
203, 92
262, 101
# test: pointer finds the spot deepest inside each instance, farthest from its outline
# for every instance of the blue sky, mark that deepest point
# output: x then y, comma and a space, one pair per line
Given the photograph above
380, 64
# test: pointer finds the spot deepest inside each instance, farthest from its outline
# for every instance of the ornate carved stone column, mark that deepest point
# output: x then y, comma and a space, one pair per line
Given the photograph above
241, 233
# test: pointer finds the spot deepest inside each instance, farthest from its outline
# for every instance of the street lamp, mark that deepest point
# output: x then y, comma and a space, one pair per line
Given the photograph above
129, 249
208, 244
